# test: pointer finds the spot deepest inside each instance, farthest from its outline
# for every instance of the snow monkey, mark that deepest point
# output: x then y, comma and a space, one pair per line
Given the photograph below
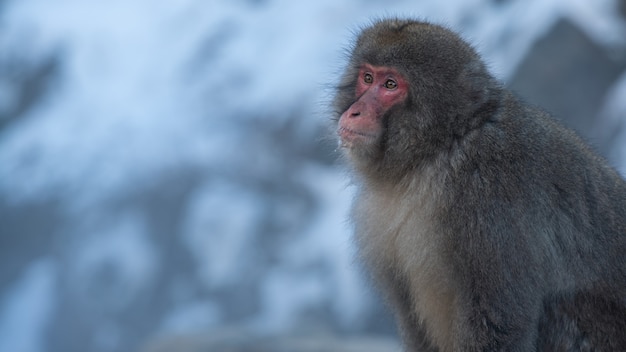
487, 225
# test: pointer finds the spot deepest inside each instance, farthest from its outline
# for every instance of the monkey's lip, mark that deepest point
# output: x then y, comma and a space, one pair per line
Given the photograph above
349, 136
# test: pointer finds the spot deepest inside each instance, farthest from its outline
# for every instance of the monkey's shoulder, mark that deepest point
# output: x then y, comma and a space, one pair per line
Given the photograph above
523, 159
525, 146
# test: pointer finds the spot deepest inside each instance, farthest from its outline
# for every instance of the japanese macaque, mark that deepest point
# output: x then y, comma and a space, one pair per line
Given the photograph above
487, 225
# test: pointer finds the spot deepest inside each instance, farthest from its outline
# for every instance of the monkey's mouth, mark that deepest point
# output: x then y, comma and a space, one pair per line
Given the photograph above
350, 137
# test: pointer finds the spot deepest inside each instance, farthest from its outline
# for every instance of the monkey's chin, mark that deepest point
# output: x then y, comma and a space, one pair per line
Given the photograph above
351, 139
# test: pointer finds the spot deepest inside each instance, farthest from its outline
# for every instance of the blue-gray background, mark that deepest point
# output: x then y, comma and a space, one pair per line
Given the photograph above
166, 168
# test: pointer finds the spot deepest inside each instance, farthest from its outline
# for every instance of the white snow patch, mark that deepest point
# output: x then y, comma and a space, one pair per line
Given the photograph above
27, 307
114, 266
197, 316
220, 230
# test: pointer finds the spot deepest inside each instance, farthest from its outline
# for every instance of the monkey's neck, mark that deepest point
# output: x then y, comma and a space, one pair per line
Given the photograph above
420, 179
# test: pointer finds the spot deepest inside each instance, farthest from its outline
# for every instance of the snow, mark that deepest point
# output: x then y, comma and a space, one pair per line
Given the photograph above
216, 239
25, 309
114, 265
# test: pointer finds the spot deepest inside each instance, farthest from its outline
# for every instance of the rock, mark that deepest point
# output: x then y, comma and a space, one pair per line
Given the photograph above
569, 75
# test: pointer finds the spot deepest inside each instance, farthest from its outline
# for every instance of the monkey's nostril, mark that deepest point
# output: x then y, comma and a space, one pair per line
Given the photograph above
355, 113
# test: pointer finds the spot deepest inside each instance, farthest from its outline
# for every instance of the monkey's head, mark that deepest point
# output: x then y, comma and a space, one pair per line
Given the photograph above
410, 89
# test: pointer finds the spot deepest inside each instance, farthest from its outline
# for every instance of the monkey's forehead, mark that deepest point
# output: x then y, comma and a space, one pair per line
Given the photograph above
410, 45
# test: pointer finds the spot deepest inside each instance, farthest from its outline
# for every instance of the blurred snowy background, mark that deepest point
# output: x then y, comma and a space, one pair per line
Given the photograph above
168, 180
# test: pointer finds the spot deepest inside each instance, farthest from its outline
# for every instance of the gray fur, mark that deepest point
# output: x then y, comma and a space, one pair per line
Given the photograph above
487, 224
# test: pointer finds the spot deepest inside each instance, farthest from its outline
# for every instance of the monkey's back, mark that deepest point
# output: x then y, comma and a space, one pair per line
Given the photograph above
527, 180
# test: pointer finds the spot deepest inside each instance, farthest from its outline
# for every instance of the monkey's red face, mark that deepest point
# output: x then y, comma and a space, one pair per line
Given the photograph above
378, 88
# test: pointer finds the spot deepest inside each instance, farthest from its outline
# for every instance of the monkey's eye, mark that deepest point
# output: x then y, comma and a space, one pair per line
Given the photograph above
368, 78
391, 84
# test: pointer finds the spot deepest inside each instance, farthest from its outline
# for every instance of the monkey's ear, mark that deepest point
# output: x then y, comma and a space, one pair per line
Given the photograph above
476, 83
